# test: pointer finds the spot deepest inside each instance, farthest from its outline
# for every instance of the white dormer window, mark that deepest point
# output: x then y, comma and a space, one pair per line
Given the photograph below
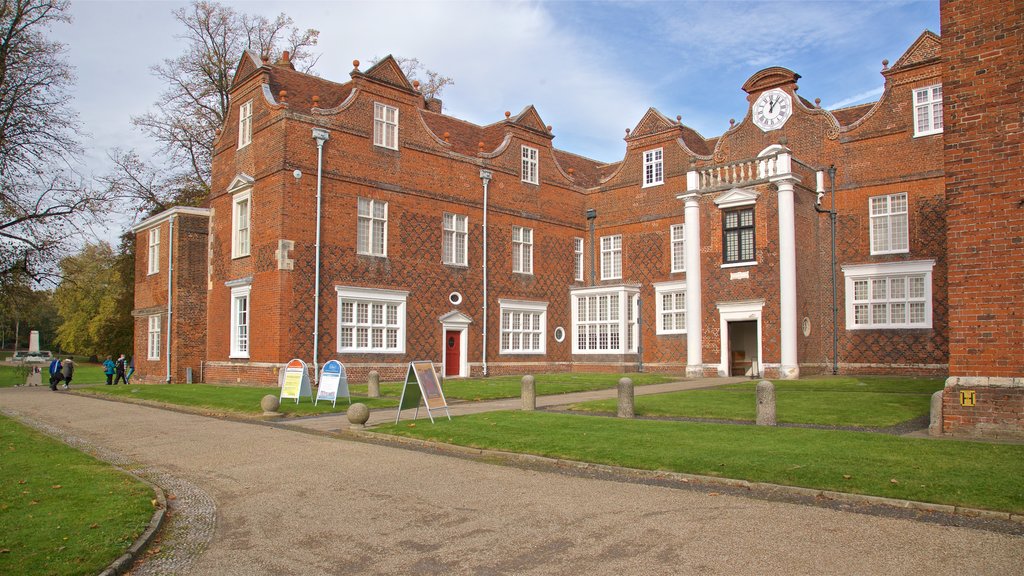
654, 171
530, 165
245, 124
928, 110
385, 126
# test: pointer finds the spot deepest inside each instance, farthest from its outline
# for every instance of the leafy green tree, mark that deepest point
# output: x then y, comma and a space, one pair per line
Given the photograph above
87, 301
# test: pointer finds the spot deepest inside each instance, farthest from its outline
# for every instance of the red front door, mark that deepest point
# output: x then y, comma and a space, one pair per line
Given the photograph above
452, 359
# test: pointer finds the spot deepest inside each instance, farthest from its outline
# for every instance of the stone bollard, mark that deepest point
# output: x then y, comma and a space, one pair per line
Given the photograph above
935, 421
529, 393
357, 415
34, 378
765, 403
270, 404
626, 398
373, 384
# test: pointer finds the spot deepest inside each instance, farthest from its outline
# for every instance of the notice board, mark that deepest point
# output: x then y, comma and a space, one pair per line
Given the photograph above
333, 383
295, 383
427, 389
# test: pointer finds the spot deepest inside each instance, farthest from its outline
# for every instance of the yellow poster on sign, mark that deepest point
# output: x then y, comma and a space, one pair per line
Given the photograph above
295, 383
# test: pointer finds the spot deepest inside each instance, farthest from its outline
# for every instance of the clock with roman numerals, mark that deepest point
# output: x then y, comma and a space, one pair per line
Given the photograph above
772, 108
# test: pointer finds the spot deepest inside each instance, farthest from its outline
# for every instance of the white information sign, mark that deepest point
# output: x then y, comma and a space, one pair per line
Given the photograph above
333, 383
295, 383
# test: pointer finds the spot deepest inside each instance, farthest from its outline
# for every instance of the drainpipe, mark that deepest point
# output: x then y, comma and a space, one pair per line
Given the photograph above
170, 281
485, 177
832, 226
591, 216
321, 136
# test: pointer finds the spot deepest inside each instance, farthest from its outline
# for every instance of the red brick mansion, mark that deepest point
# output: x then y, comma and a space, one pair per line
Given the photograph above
356, 221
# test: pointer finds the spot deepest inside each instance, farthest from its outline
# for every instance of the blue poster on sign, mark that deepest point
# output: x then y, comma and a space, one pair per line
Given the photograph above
333, 383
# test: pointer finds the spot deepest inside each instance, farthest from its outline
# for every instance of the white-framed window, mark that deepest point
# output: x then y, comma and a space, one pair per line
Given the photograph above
928, 110
371, 320
738, 236
385, 126
454, 248
530, 165
522, 250
523, 327
889, 231
670, 300
240, 321
372, 229
604, 320
245, 124
677, 240
240, 217
611, 257
654, 168
153, 339
154, 251
892, 295
578, 254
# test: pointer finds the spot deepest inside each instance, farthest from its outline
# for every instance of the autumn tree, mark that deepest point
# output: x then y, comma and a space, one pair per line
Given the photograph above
41, 195
195, 103
88, 301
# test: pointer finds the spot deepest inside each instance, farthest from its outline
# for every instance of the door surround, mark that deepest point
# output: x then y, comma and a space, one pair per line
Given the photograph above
738, 312
456, 321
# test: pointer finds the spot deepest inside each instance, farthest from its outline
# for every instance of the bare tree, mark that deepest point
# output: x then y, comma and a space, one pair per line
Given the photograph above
195, 104
431, 83
41, 194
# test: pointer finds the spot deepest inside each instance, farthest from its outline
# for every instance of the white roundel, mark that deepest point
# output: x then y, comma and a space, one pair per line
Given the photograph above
772, 108
455, 298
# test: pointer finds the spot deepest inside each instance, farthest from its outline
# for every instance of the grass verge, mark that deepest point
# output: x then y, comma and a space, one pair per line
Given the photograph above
958, 473
61, 511
869, 401
496, 387
236, 399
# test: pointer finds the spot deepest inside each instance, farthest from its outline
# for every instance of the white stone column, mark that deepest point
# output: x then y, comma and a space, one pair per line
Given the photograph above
694, 315
789, 367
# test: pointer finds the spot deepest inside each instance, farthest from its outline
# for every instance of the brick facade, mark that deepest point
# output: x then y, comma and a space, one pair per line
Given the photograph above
436, 165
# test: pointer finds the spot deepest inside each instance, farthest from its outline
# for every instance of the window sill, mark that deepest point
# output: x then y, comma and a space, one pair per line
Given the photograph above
653, 184
672, 333
522, 353
237, 256
371, 255
238, 356
907, 251
739, 264
454, 265
366, 351
928, 133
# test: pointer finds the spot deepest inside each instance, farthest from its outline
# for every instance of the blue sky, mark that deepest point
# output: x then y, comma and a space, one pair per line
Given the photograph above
591, 68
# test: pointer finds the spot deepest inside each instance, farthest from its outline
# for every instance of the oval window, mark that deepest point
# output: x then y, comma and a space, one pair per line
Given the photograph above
559, 334
455, 298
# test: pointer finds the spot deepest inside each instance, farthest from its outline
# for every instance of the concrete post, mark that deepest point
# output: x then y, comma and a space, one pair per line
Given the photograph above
529, 393
373, 384
765, 403
626, 398
935, 421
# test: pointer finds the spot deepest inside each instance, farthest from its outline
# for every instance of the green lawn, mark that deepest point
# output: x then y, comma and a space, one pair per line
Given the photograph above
496, 387
941, 471
63, 512
85, 373
869, 401
239, 399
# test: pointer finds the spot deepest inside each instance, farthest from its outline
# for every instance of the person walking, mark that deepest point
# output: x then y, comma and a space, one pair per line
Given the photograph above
131, 370
108, 370
68, 370
56, 373
119, 369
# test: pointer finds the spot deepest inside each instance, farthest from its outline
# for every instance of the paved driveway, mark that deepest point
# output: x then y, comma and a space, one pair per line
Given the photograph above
295, 503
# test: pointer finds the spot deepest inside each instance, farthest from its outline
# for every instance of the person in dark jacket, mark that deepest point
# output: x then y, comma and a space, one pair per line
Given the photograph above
69, 372
56, 373
108, 370
119, 369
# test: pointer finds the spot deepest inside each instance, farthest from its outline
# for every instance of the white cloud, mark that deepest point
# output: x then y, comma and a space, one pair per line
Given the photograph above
857, 98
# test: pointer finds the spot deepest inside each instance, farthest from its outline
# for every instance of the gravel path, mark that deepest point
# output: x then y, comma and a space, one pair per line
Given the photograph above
294, 503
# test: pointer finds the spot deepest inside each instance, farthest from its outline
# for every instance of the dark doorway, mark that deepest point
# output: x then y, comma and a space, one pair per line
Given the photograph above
743, 349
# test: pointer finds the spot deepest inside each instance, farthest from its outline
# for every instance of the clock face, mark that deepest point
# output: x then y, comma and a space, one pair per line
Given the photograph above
771, 109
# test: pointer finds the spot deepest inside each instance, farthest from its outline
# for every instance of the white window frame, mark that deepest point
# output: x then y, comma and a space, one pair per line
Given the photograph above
608, 323
154, 251
376, 238
677, 247
241, 324
385, 126
927, 110
578, 254
654, 168
889, 272
884, 220
455, 239
241, 224
153, 338
522, 250
676, 292
611, 257
244, 124
371, 297
531, 165
514, 335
